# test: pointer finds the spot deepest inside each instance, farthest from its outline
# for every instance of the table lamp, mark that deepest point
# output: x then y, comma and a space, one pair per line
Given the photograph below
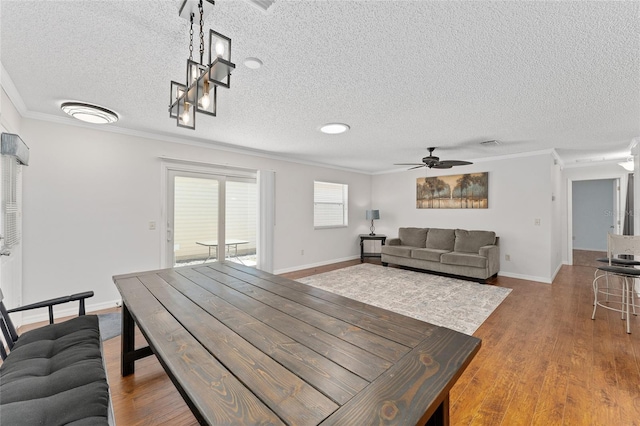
372, 215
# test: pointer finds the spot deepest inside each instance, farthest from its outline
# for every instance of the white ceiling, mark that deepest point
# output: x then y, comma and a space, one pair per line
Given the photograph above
405, 75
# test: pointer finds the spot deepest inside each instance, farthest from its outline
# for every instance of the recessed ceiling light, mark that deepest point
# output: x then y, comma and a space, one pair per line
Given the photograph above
334, 128
89, 113
253, 63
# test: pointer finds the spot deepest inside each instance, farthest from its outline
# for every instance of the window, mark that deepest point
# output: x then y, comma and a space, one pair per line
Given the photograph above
10, 201
330, 201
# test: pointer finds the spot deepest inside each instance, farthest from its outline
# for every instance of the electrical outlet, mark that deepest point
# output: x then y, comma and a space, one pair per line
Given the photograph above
152, 226
507, 257
536, 222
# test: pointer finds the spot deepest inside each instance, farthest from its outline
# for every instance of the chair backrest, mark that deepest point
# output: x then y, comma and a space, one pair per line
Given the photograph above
622, 245
8, 330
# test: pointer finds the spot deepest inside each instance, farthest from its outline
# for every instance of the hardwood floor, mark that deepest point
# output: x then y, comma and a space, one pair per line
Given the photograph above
587, 257
543, 361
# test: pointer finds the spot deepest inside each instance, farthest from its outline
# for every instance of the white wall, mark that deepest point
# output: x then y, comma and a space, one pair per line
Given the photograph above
519, 192
89, 196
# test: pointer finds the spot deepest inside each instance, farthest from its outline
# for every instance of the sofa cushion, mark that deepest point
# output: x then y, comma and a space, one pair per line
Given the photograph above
55, 375
471, 241
428, 254
464, 259
441, 239
402, 251
414, 237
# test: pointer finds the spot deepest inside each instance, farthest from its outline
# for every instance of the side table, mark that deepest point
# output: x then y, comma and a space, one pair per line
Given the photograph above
380, 237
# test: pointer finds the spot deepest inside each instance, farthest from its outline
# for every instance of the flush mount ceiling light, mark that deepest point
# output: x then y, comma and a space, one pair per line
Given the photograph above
252, 63
334, 128
199, 94
89, 113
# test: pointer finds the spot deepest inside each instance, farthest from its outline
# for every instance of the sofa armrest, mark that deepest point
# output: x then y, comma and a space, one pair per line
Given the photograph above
394, 242
80, 297
492, 253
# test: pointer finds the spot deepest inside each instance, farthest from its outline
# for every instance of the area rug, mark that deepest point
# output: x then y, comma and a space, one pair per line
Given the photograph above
110, 325
448, 302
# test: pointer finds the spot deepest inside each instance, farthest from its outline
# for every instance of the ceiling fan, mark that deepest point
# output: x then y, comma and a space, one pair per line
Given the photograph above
434, 162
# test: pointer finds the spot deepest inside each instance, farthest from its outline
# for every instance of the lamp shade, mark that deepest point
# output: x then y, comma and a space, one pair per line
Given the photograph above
373, 214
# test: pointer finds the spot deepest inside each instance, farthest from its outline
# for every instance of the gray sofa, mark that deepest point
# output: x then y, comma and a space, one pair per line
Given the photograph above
471, 254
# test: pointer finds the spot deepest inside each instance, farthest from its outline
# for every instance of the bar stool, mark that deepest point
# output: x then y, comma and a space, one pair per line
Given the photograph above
625, 271
629, 263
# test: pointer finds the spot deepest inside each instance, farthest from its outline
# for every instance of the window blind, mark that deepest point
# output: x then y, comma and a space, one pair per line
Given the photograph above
330, 201
10, 202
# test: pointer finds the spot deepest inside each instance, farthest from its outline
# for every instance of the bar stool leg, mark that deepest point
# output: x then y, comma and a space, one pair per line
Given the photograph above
626, 306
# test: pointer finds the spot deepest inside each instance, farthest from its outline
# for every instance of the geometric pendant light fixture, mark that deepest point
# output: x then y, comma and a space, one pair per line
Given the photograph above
199, 93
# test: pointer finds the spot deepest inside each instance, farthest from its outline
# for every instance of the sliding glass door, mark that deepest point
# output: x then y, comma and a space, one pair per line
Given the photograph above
210, 217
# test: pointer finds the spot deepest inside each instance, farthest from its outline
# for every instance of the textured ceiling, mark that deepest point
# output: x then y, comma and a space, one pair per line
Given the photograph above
405, 75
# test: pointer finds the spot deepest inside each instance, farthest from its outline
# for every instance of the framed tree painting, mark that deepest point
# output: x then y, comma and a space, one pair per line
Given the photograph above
467, 191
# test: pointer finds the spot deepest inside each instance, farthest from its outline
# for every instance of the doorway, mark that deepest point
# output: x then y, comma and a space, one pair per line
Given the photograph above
210, 217
595, 213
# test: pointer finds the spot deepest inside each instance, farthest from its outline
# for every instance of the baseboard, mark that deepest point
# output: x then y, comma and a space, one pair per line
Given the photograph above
61, 311
553, 276
314, 265
542, 280
591, 249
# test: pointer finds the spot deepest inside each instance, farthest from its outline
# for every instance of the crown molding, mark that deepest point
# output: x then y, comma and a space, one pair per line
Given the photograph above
12, 92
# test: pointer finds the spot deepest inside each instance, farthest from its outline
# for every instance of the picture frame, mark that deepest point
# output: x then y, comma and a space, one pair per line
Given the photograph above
463, 191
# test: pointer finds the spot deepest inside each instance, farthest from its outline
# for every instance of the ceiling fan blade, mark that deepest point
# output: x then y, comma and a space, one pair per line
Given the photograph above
455, 163
408, 164
416, 167
441, 165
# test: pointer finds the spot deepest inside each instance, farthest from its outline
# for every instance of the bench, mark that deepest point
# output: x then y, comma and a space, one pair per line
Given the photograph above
54, 374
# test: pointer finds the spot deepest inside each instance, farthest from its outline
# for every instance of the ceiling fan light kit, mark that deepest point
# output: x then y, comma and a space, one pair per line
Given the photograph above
200, 92
433, 162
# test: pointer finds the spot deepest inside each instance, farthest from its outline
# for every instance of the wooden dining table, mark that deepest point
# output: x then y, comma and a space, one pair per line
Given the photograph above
247, 347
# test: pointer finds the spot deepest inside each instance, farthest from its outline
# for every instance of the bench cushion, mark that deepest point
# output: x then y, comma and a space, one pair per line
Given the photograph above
428, 254
464, 259
402, 251
55, 375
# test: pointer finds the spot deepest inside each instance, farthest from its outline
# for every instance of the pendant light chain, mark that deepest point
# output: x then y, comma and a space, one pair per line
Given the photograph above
201, 32
191, 39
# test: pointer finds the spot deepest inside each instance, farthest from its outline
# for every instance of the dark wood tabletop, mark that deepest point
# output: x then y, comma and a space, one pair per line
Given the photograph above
247, 347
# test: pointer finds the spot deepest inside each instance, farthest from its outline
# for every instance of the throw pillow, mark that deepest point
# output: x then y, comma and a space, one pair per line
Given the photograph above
471, 241
441, 239
414, 237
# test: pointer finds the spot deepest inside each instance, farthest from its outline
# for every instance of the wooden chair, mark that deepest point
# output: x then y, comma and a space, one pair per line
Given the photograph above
8, 329
619, 298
